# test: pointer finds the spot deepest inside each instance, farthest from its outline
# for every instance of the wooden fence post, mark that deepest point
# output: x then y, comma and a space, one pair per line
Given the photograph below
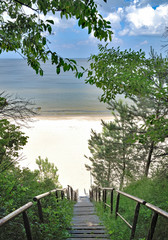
62, 194
99, 194
117, 205
105, 198
40, 213
111, 202
27, 226
153, 225
56, 194
135, 221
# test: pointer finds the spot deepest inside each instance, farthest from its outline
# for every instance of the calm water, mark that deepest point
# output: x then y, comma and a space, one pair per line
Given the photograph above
56, 94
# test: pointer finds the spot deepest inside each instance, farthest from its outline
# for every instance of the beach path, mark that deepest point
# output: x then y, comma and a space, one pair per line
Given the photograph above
85, 222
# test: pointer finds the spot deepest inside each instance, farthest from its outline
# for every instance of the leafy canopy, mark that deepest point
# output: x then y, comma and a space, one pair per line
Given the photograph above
26, 33
127, 72
12, 141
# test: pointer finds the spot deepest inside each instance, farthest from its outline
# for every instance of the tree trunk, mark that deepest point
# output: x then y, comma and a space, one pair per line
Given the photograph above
149, 160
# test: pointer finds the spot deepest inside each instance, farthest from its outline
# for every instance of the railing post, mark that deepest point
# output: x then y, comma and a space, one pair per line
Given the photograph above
111, 202
40, 211
62, 194
105, 198
68, 194
56, 195
96, 194
27, 226
93, 193
71, 194
153, 225
135, 221
75, 196
117, 205
99, 194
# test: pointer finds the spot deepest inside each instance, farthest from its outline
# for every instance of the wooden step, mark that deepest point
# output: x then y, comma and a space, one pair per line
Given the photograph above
85, 222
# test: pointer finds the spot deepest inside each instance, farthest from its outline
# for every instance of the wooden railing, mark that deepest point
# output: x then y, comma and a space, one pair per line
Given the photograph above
100, 194
69, 193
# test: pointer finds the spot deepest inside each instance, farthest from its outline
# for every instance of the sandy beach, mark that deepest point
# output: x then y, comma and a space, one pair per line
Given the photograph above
64, 141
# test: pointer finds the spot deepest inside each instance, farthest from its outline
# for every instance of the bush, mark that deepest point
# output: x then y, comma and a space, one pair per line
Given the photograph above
154, 191
18, 187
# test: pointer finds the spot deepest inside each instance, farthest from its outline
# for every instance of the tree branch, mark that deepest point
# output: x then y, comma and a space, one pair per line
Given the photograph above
26, 5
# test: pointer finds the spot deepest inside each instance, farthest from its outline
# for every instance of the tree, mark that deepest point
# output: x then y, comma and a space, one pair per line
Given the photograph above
12, 141
16, 108
26, 33
130, 73
47, 170
120, 72
113, 155
102, 164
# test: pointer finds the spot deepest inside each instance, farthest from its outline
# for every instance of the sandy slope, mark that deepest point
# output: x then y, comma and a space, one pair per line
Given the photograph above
64, 140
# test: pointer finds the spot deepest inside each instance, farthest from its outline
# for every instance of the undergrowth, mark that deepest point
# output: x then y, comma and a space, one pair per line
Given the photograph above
154, 191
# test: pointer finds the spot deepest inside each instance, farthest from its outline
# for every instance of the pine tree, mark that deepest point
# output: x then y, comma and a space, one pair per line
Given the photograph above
113, 156
151, 113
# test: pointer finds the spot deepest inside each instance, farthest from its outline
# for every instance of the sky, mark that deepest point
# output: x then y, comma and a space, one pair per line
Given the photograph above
137, 24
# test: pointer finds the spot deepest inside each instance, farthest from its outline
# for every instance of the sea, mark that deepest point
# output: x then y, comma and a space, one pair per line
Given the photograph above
52, 94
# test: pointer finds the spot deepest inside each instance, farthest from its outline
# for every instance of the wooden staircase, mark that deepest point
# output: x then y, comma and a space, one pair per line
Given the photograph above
85, 223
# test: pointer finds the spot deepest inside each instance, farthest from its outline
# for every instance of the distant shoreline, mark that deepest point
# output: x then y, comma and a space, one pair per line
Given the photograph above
74, 117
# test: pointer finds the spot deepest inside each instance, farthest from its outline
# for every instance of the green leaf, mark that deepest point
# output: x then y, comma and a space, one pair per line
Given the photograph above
50, 21
58, 70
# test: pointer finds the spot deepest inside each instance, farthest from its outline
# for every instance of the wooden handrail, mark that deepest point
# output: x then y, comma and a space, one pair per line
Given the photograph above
15, 213
132, 197
38, 197
29, 204
156, 210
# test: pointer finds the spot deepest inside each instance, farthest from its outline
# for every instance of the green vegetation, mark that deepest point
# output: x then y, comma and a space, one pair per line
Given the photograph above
113, 155
134, 144
18, 187
27, 25
154, 191
131, 152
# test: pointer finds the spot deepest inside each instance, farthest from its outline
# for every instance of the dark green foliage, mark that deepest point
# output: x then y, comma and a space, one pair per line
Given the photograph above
11, 141
18, 187
154, 191
117, 72
145, 82
132, 74
24, 33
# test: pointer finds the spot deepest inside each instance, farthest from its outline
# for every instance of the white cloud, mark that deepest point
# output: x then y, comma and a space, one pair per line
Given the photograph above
58, 22
125, 31
139, 19
144, 43
146, 20
115, 18
94, 41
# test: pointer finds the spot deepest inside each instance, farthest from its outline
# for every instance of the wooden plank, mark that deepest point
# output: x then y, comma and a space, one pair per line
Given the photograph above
87, 238
90, 231
83, 214
90, 235
86, 227
85, 223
